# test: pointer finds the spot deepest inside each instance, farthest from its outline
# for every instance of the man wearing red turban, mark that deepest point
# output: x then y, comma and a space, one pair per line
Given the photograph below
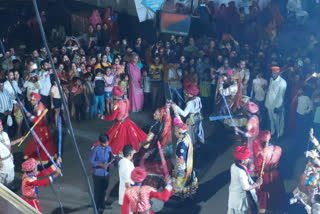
242, 196
272, 192
192, 112
42, 130
137, 198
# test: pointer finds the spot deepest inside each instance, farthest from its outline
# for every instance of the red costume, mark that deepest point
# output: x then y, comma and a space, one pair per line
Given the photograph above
43, 131
138, 197
30, 183
271, 193
124, 131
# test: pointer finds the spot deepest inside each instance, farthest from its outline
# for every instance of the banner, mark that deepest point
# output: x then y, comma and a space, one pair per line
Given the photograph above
175, 23
143, 12
153, 5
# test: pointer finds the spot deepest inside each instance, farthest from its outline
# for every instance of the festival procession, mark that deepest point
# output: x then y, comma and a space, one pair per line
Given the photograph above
193, 107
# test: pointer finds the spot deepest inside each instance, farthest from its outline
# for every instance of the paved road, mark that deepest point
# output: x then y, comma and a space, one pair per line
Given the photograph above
216, 156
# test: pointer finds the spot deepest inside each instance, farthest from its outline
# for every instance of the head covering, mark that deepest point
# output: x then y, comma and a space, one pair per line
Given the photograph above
242, 153
252, 107
165, 117
117, 91
35, 96
138, 175
192, 89
275, 69
264, 135
180, 125
29, 165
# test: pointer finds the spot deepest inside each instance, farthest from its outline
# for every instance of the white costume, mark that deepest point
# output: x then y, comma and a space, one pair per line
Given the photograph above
6, 159
240, 183
125, 168
274, 99
194, 120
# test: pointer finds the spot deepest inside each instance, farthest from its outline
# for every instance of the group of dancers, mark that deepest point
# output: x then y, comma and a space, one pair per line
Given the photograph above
154, 150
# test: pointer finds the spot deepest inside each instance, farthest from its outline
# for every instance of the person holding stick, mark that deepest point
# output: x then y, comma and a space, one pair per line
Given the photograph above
242, 194
271, 194
30, 183
42, 130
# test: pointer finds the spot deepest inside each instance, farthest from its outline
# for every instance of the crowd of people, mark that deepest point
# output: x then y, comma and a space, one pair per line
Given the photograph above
237, 73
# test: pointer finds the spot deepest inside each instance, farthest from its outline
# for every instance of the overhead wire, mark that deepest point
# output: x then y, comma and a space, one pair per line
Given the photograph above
70, 129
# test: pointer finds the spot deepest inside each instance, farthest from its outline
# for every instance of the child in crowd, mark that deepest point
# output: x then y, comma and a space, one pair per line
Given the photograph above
124, 78
98, 85
110, 81
89, 95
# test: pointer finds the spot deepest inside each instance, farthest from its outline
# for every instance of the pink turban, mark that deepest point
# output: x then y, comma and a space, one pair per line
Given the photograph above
138, 175
252, 107
29, 165
242, 153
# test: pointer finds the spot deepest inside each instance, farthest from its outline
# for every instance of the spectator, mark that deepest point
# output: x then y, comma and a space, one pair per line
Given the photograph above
98, 85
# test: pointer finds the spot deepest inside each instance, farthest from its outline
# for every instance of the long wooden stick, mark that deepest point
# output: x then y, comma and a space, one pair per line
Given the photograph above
264, 160
34, 125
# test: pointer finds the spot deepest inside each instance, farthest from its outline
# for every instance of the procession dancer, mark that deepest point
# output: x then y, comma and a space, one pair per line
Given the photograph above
252, 130
30, 183
137, 198
193, 113
124, 131
42, 130
271, 193
148, 155
185, 181
242, 196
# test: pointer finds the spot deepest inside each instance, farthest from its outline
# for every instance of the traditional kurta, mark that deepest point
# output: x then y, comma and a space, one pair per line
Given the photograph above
6, 159
43, 131
30, 185
185, 182
274, 99
240, 183
271, 193
124, 131
194, 119
125, 168
146, 193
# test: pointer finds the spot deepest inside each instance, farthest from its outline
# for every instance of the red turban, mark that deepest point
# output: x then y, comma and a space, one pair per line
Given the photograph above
29, 165
275, 69
192, 89
252, 107
180, 125
35, 96
138, 175
242, 153
117, 91
264, 135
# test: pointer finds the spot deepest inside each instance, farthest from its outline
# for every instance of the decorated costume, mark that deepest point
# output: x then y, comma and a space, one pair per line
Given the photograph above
30, 183
43, 131
271, 193
137, 198
149, 157
185, 181
124, 131
193, 113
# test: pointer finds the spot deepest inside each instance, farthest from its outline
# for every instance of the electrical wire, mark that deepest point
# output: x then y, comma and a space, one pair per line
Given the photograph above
70, 129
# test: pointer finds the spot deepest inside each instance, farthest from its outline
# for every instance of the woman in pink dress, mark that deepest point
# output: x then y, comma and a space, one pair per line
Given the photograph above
135, 91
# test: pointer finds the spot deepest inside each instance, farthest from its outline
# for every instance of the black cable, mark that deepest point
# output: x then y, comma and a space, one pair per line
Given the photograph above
70, 129
33, 139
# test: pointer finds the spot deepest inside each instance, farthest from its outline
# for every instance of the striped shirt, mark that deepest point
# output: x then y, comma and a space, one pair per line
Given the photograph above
5, 101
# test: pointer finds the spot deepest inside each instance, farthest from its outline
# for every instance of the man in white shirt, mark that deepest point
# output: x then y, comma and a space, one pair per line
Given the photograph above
241, 182
304, 109
9, 88
245, 76
6, 158
125, 168
45, 83
274, 102
258, 94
